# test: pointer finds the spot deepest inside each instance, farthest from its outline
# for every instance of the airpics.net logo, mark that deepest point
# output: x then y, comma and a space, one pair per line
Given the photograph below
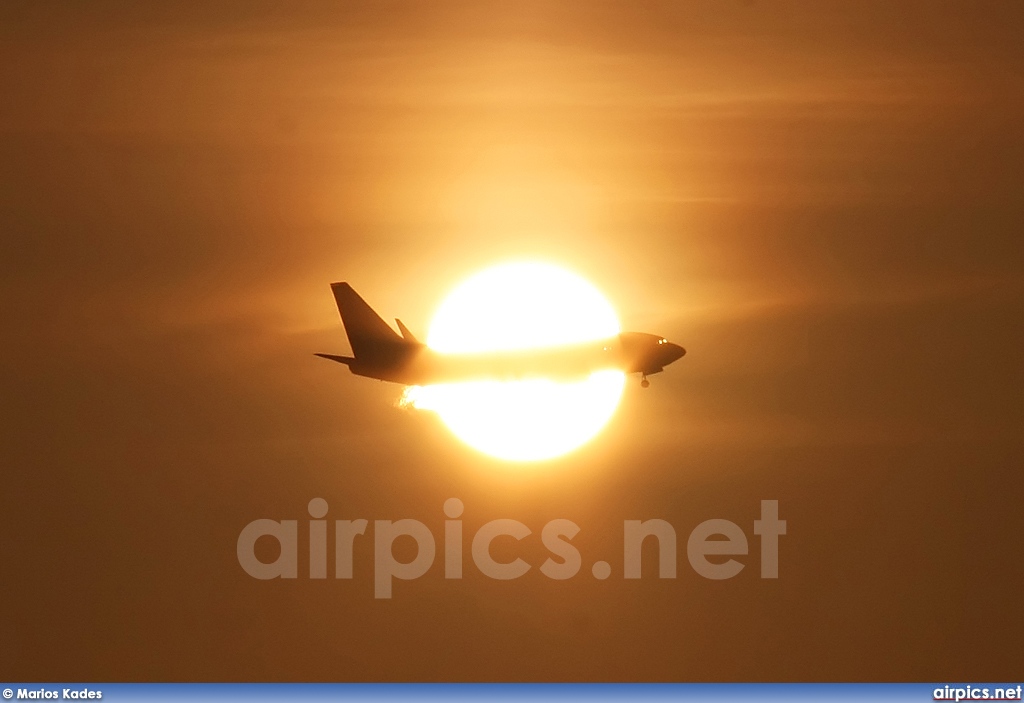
711, 538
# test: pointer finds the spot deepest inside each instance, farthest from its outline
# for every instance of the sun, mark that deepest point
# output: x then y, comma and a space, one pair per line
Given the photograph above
515, 306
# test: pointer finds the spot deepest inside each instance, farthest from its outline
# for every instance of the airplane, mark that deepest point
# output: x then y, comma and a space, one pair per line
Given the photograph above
380, 353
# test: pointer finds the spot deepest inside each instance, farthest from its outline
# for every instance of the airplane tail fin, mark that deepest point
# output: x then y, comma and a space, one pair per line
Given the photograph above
365, 329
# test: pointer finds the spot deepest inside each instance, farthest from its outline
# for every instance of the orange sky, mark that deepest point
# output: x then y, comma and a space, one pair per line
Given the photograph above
821, 203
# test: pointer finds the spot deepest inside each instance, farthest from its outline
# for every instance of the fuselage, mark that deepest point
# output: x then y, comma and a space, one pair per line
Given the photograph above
408, 363
379, 352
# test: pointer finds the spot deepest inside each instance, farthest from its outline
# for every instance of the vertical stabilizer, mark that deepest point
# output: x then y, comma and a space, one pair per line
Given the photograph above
366, 331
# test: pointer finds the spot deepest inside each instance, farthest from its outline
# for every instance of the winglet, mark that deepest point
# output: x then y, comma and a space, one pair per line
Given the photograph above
406, 333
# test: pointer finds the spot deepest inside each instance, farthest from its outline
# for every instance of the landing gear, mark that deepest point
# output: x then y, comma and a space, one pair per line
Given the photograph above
644, 383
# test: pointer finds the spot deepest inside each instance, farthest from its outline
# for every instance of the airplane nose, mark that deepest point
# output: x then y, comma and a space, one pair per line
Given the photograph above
675, 352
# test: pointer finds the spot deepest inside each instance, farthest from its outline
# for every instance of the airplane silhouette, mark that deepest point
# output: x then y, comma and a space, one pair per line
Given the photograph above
380, 353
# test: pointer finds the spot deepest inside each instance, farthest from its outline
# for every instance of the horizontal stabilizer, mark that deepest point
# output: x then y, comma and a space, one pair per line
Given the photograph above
347, 360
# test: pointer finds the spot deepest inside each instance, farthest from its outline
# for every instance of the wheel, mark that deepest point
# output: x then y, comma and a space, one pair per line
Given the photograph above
645, 383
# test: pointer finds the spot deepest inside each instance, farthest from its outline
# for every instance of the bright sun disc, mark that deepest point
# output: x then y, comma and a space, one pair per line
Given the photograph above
517, 306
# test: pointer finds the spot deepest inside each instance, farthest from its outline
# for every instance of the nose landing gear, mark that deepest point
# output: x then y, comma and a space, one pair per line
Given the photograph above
644, 383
